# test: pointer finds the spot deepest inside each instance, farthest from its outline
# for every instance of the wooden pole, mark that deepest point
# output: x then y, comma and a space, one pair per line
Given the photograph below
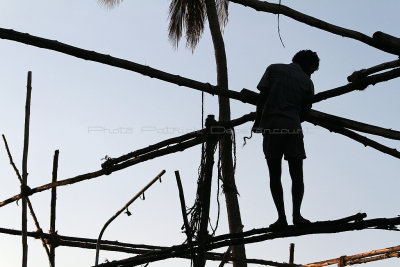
188, 230
111, 61
122, 210
365, 72
393, 47
291, 253
87, 243
225, 258
35, 220
25, 171
163, 147
53, 208
206, 181
359, 258
231, 239
359, 84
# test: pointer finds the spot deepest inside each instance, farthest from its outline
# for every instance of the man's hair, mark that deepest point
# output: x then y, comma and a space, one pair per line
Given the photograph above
307, 57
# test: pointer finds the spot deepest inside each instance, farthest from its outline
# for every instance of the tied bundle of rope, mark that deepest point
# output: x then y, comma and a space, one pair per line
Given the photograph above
199, 212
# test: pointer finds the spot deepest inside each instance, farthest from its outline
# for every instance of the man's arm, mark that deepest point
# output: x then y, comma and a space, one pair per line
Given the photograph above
307, 104
262, 98
263, 86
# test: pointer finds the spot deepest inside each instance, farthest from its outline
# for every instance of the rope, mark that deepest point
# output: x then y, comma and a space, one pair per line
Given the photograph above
279, 30
247, 138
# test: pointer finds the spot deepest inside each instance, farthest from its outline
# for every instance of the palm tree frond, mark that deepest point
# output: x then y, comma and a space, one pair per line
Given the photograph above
188, 15
222, 11
110, 3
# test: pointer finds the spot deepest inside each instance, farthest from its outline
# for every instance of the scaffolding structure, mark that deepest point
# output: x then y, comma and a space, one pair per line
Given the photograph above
199, 244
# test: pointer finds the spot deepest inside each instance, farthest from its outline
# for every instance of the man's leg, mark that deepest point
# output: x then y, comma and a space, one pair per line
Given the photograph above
275, 170
296, 173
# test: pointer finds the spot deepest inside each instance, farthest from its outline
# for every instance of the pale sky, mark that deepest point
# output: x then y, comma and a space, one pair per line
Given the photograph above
71, 96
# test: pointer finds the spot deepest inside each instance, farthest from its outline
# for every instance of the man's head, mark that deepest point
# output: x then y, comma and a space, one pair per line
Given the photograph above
308, 61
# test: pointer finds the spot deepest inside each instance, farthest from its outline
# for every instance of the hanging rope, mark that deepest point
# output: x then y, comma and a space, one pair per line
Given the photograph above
279, 30
247, 138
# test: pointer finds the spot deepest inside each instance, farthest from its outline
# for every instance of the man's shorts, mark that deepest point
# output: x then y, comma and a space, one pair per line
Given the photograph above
289, 144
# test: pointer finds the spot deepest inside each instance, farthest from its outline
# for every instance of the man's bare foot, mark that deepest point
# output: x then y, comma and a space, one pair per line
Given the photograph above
280, 223
300, 221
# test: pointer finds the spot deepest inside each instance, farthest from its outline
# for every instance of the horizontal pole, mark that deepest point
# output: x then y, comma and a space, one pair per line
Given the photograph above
354, 258
115, 246
315, 228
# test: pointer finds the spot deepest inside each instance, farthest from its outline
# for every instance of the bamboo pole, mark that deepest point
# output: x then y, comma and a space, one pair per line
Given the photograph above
359, 84
25, 171
377, 258
115, 246
318, 118
320, 24
163, 148
32, 212
101, 172
205, 194
225, 258
155, 73
182, 144
158, 177
53, 208
188, 230
112, 61
365, 72
362, 139
291, 253
357, 258
315, 228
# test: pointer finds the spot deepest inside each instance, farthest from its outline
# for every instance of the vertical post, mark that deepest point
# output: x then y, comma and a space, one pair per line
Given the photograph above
291, 253
53, 209
206, 192
24, 190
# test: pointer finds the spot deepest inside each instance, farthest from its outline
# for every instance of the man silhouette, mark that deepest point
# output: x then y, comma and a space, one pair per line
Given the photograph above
285, 98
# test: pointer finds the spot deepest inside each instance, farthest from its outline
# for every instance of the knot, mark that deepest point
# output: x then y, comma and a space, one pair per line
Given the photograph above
211, 89
227, 188
53, 239
342, 261
107, 165
39, 233
26, 191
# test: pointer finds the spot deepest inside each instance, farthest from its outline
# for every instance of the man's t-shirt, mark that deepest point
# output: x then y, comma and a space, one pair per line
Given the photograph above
288, 88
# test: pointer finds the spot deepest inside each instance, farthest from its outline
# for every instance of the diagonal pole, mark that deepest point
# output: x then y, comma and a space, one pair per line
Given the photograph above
158, 177
39, 229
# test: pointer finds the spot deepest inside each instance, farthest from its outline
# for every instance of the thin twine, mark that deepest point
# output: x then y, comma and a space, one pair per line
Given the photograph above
279, 30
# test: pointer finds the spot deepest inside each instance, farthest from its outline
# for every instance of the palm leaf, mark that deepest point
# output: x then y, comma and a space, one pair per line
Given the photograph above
110, 3
189, 16
222, 11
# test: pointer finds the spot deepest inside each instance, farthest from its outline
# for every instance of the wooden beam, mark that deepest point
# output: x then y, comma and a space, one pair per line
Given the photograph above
359, 84
33, 214
25, 171
54, 45
314, 228
365, 72
318, 118
87, 243
53, 203
359, 258
387, 46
